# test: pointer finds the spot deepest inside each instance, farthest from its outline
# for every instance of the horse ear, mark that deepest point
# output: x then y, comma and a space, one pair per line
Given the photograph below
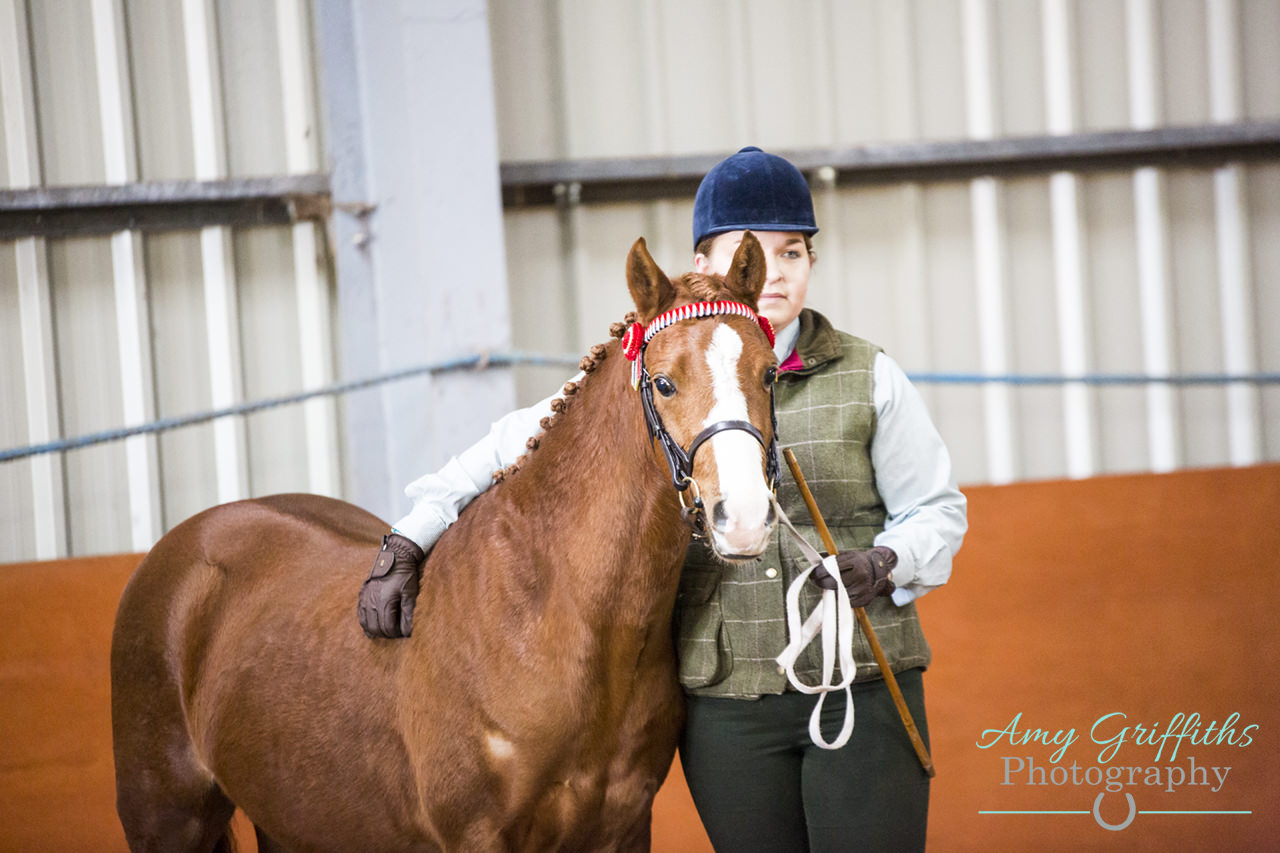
746, 275
650, 288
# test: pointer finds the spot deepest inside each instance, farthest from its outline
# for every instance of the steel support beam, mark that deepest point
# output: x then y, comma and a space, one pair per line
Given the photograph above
162, 206
170, 205
639, 178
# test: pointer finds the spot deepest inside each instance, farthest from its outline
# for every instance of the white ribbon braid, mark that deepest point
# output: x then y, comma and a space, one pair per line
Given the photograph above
833, 617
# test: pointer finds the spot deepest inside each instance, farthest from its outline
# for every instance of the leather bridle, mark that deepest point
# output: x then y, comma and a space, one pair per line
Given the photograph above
679, 460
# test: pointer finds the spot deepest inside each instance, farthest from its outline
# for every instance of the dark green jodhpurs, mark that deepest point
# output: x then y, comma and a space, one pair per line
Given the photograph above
760, 783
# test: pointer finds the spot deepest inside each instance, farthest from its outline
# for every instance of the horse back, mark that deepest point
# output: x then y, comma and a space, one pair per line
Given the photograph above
240, 568
264, 531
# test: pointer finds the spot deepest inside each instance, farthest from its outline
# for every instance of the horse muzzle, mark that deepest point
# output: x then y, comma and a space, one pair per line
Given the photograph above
740, 530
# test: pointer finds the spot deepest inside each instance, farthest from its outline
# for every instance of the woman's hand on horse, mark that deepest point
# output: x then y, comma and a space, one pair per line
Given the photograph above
865, 574
388, 596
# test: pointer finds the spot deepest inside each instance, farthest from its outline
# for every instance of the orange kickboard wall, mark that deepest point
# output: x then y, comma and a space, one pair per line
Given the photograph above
1072, 603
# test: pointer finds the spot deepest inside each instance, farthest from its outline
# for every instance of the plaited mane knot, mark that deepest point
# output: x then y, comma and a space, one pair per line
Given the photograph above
617, 330
592, 361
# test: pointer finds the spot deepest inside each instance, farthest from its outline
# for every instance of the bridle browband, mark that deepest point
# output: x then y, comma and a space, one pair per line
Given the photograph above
679, 460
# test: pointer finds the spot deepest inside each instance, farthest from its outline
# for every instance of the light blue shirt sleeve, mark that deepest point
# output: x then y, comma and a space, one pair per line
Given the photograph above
927, 513
439, 497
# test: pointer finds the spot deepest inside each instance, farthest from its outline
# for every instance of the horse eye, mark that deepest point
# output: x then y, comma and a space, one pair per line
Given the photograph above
770, 376
664, 385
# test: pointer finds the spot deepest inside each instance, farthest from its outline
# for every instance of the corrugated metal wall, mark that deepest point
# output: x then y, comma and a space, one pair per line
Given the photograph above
1153, 271
1149, 272
104, 331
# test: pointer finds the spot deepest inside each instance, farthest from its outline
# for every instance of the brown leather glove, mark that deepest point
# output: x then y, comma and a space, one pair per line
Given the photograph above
388, 596
865, 574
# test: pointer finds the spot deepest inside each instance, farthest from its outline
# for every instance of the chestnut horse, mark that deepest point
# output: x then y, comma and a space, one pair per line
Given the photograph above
536, 705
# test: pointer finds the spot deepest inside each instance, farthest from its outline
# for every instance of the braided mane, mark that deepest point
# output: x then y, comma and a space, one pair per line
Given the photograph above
559, 405
701, 287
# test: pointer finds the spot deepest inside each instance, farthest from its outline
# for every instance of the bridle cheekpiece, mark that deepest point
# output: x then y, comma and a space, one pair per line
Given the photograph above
679, 460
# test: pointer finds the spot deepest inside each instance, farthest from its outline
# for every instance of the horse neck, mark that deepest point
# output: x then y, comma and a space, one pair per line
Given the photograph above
608, 499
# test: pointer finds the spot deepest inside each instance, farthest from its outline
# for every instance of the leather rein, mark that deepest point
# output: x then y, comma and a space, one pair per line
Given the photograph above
679, 460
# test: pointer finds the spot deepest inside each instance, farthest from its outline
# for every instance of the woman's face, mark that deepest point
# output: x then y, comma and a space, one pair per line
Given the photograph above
786, 282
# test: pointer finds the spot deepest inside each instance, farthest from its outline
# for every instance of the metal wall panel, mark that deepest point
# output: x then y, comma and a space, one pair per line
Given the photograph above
1034, 327
66, 92
1115, 345
1263, 191
248, 44
1100, 63
1257, 31
161, 89
269, 340
90, 394
1019, 78
1139, 271
1155, 271
17, 510
158, 325
547, 297
188, 465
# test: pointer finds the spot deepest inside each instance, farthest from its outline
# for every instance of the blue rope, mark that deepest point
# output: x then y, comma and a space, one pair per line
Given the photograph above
477, 362
485, 361
1095, 379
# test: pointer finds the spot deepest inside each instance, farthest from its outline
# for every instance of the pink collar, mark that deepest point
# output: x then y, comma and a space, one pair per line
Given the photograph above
791, 362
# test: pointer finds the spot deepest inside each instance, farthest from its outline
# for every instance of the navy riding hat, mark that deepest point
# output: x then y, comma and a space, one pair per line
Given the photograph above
752, 190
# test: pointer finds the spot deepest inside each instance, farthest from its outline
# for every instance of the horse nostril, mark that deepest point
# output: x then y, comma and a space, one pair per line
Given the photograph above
719, 518
721, 522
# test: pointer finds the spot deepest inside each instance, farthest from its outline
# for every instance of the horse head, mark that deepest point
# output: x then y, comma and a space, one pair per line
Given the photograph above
707, 384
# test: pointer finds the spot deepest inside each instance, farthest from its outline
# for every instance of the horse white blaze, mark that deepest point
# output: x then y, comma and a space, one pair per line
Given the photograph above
744, 494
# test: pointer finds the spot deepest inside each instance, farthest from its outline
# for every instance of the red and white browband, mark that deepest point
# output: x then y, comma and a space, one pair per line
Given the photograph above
637, 336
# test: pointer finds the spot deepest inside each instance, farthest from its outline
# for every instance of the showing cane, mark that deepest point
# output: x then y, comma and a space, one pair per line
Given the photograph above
922, 752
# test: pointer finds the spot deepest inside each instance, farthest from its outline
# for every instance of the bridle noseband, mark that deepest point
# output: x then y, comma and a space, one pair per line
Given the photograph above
679, 460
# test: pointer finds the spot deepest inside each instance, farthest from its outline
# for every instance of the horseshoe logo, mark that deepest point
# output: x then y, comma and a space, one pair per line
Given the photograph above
1114, 827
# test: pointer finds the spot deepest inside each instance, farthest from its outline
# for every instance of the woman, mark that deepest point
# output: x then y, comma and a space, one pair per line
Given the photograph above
882, 477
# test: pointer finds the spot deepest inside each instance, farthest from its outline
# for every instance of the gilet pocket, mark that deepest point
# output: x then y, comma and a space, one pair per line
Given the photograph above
701, 641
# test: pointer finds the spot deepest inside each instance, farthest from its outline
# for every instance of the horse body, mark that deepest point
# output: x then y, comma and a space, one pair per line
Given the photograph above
535, 706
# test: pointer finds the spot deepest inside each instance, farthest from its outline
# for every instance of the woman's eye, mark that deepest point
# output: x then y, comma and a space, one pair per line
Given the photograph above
664, 385
770, 376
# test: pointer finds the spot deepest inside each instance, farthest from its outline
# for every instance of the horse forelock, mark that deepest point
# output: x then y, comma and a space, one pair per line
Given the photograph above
700, 287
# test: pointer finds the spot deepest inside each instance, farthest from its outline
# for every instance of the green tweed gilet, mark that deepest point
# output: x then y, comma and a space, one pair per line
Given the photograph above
729, 619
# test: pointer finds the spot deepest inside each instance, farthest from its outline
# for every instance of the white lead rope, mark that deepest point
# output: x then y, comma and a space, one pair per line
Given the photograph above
833, 617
